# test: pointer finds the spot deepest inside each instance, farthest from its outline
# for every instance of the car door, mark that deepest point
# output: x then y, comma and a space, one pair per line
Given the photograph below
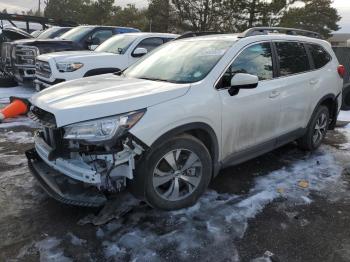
149, 44
294, 68
251, 117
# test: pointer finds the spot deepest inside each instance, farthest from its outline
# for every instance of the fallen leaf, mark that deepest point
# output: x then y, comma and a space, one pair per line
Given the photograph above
303, 184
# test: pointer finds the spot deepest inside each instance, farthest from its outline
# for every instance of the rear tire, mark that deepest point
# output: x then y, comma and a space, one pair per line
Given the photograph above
316, 131
174, 174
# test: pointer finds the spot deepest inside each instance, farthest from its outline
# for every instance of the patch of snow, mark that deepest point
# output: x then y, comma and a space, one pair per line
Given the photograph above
17, 137
218, 219
19, 91
344, 116
76, 241
50, 251
261, 259
112, 250
18, 121
307, 200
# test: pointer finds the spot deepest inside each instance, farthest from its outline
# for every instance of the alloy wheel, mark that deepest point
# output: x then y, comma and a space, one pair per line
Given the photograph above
320, 129
177, 174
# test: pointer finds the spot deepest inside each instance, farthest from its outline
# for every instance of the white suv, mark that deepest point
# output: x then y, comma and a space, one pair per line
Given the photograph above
165, 126
115, 54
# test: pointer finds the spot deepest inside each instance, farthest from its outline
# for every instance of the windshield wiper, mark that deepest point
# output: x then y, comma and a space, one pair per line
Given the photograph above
119, 73
156, 79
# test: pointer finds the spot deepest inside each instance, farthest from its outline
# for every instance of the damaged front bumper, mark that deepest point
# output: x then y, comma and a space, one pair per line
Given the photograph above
73, 168
61, 187
75, 180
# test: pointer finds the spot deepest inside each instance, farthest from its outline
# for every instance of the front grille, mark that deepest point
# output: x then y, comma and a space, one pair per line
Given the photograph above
42, 68
26, 55
42, 117
6, 56
53, 137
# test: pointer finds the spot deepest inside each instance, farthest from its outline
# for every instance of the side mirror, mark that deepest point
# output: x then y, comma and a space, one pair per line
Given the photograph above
140, 51
242, 81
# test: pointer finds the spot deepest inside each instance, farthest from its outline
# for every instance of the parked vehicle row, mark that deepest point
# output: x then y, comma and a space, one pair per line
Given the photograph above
19, 59
79, 38
115, 54
166, 125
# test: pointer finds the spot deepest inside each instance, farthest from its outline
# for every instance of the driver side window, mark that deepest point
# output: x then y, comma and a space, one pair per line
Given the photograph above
102, 35
255, 60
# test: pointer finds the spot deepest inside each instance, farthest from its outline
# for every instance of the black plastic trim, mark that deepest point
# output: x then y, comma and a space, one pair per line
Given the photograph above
100, 71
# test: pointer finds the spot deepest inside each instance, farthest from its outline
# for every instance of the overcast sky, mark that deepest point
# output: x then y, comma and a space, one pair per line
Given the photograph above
343, 7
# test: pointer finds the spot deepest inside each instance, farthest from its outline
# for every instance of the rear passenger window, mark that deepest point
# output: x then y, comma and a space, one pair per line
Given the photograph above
254, 60
293, 58
319, 56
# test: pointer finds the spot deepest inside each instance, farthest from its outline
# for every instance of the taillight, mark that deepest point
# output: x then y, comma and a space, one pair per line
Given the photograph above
341, 71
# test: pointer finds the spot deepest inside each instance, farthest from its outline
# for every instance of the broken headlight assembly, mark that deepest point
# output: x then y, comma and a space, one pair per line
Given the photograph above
103, 129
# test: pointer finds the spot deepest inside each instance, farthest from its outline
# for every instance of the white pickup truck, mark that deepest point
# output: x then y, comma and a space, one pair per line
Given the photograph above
115, 54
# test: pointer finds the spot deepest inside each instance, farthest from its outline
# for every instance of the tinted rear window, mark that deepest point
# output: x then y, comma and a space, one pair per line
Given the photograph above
319, 55
293, 58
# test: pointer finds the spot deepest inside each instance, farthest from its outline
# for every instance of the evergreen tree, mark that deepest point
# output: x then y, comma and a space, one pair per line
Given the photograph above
316, 15
160, 15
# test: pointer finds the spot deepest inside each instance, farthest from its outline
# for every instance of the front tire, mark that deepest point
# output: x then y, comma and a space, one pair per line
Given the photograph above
316, 131
174, 174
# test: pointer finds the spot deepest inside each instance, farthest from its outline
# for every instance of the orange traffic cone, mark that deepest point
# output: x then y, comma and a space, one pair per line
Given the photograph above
17, 107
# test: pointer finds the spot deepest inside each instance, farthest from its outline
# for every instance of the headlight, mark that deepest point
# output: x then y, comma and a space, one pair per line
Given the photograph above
103, 129
68, 66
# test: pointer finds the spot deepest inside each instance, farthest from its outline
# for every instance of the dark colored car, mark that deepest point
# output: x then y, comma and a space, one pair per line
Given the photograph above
343, 55
53, 32
24, 52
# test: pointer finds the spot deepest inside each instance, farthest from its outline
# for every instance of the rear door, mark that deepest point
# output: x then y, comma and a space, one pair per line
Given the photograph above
295, 78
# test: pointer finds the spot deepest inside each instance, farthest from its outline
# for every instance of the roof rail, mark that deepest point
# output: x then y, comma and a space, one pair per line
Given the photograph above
194, 34
288, 31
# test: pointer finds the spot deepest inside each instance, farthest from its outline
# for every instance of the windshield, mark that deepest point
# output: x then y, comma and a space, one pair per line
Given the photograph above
117, 44
180, 61
48, 33
77, 33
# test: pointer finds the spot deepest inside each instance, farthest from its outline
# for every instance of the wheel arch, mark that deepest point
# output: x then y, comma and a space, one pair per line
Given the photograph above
201, 131
331, 102
100, 71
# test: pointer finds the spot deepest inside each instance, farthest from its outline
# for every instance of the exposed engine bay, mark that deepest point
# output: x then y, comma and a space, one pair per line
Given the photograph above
104, 166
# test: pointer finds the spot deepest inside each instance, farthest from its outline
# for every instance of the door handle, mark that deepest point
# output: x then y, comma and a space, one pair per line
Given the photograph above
274, 94
313, 82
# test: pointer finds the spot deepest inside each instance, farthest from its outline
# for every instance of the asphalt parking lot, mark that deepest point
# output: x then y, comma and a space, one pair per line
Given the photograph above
287, 205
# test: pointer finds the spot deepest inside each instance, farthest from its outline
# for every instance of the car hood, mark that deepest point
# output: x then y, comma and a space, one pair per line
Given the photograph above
35, 41
104, 95
75, 56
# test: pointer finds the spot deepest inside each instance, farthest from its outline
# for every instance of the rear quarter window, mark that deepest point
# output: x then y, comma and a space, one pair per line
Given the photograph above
319, 56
